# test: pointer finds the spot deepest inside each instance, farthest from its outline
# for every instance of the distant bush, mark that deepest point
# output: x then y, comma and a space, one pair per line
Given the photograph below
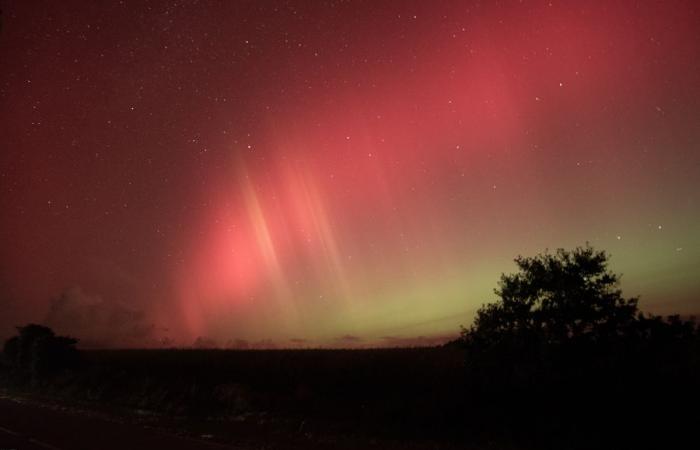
37, 352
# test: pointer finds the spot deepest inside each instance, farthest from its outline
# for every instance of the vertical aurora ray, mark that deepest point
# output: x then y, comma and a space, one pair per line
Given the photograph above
322, 170
375, 208
273, 273
314, 224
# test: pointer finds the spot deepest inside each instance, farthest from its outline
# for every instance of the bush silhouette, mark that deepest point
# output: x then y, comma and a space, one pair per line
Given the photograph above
565, 301
562, 337
37, 351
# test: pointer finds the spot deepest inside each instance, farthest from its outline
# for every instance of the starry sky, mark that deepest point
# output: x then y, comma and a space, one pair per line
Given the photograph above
339, 173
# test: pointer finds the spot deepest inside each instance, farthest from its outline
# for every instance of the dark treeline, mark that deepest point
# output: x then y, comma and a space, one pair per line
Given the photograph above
560, 360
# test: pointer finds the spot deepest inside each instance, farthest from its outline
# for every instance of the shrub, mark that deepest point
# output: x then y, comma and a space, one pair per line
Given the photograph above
37, 352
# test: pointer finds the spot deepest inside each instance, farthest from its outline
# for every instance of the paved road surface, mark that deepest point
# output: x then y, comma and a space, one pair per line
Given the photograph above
26, 426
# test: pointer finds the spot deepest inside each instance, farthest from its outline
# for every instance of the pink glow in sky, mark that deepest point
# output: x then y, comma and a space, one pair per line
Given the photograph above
304, 173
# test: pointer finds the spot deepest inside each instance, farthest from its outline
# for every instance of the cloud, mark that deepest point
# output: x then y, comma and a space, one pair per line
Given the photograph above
98, 323
299, 342
349, 340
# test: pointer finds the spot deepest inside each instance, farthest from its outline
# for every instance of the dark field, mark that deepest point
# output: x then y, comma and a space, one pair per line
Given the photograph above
328, 383
383, 398
380, 395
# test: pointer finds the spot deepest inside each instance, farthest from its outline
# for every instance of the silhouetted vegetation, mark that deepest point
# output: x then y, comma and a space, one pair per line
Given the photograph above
562, 354
560, 360
36, 352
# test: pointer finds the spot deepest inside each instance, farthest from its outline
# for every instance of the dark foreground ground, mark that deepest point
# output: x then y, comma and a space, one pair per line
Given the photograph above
26, 425
313, 399
31, 424
335, 399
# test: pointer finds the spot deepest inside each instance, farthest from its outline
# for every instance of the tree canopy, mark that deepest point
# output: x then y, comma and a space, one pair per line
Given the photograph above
555, 297
561, 312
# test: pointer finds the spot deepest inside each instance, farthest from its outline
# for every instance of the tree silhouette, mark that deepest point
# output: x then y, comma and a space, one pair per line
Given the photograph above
555, 298
561, 347
37, 351
559, 313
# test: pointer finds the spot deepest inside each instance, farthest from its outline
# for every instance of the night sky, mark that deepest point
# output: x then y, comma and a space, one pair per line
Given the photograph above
336, 173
